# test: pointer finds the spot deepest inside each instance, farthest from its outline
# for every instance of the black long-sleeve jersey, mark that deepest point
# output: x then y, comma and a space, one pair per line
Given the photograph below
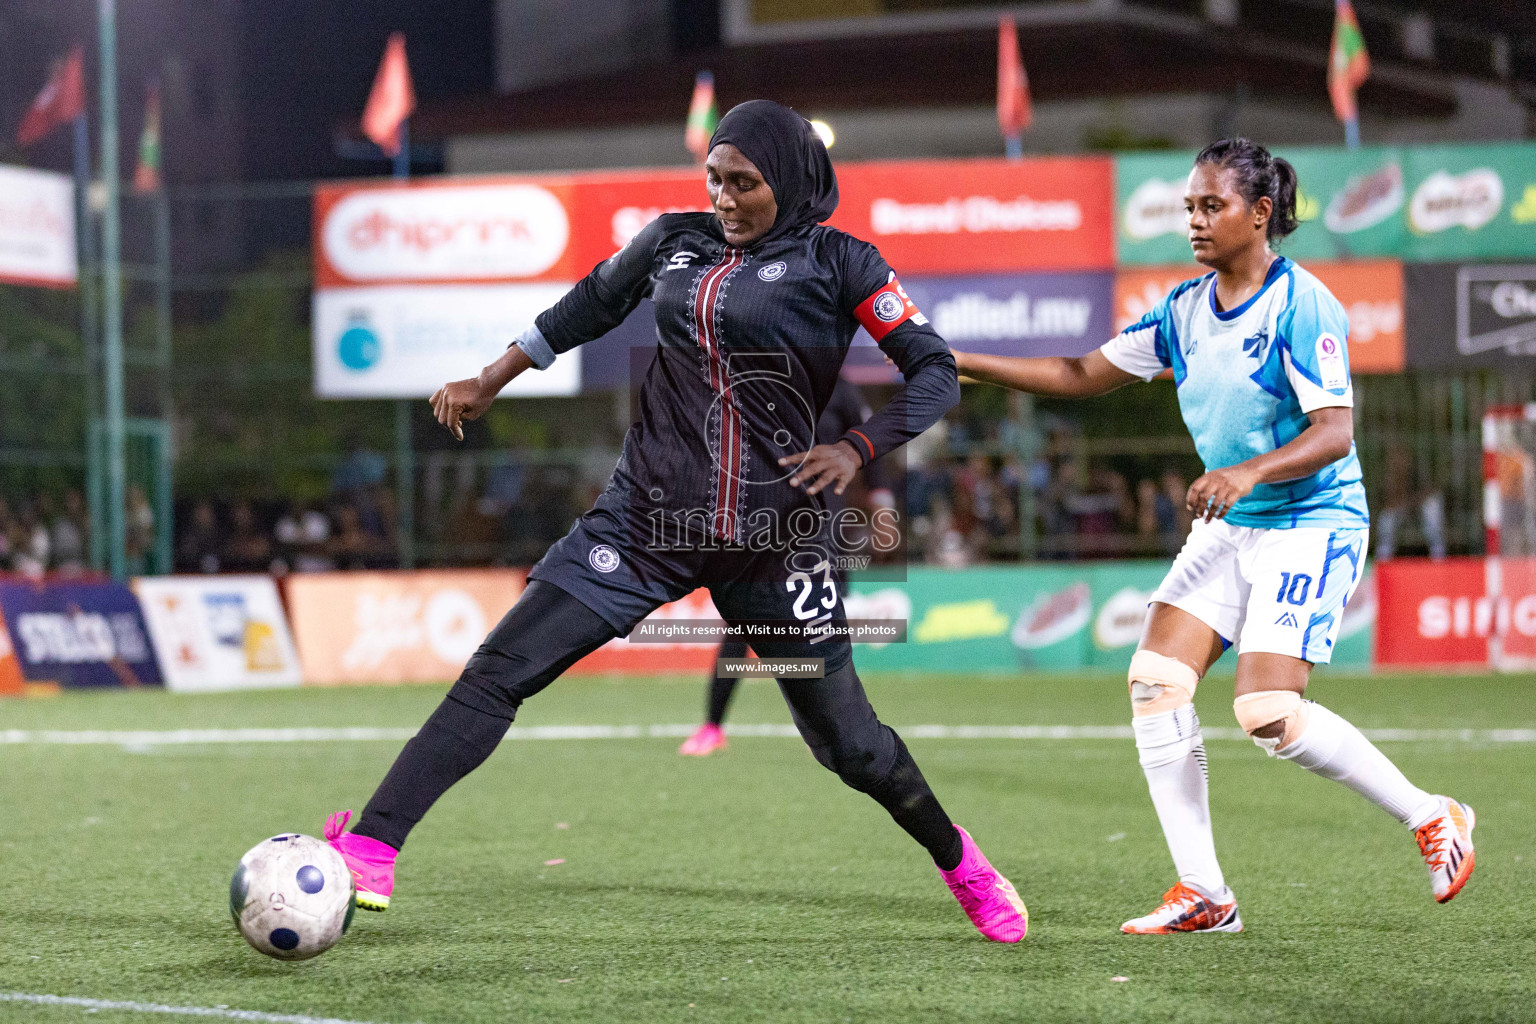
845, 411
750, 345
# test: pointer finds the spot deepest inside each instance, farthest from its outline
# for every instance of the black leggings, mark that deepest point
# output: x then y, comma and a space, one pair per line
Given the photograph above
721, 688
548, 631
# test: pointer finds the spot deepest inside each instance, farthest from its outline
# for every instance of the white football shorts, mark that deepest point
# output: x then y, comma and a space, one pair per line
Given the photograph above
1281, 591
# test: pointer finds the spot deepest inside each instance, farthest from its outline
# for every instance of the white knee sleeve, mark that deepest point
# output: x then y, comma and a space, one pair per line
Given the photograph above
1166, 737
1160, 683
1267, 707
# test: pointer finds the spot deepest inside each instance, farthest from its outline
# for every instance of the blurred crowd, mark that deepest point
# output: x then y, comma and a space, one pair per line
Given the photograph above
45, 534
1060, 505
970, 498
283, 537
353, 528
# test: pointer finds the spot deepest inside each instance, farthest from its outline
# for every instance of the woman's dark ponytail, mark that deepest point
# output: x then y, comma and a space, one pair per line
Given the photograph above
1258, 174
1283, 221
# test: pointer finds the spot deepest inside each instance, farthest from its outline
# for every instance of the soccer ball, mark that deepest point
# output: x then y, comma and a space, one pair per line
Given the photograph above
292, 897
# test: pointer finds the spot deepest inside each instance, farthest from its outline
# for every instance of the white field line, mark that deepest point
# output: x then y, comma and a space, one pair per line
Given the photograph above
224, 1012
139, 738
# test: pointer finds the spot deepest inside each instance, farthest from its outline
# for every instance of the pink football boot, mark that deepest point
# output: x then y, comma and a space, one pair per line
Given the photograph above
371, 862
706, 739
988, 899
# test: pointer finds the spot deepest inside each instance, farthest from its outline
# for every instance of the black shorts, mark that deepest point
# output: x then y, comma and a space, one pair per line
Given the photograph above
606, 563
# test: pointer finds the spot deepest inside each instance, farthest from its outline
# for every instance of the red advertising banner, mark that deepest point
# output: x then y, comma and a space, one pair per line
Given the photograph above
611, 208
963, 216
1439, 613
932, 216
1371, 292
453, 231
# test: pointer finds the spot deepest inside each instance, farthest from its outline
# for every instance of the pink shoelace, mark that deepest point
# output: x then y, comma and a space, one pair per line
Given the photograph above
336, 824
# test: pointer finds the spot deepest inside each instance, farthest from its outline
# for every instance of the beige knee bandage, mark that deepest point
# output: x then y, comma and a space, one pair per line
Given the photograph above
1266, 707
1160, 683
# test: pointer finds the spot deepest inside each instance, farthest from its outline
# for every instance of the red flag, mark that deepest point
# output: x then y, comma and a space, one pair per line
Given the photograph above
61, 101
1348, 63
1013, 111
392, 98
146, 176
702, 116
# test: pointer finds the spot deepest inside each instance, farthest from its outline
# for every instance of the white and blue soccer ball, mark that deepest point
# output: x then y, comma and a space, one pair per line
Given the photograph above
292, 897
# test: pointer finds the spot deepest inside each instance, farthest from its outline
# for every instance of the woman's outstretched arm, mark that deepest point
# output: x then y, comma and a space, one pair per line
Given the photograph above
1056, 376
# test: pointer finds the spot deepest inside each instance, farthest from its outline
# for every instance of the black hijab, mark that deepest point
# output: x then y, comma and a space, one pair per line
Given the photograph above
790, 156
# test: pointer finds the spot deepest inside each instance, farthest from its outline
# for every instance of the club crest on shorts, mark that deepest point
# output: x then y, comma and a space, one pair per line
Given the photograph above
603, 558
889, 307
773, 271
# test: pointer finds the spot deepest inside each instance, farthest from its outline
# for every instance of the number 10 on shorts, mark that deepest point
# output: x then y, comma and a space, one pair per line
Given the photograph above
1294, 588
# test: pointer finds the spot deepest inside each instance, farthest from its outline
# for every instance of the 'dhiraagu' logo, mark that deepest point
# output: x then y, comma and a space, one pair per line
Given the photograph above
773, 271
889, 307
603, 558
358, 346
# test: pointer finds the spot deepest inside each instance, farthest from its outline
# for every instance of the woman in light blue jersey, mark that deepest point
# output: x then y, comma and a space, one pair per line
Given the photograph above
1258, 349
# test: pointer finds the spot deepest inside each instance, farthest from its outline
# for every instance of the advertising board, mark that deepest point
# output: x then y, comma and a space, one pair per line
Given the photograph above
37, 228
971, 216
407, 340
1471, 315
218, 632
1423, 203
1439, 613
1045, 618
421, 283
78, 634
395, 627
1471, 202
1018, 314
986, 618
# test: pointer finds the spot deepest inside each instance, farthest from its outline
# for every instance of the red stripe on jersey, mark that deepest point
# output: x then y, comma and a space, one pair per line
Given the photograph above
860, 435
727, 483
885, 309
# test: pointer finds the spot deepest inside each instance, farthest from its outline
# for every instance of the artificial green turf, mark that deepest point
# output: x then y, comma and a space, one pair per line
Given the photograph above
751, 886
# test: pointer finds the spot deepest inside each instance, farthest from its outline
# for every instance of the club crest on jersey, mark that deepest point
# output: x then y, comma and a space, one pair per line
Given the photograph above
682, 259
1254, 345
889, 307
773, 271
603, 558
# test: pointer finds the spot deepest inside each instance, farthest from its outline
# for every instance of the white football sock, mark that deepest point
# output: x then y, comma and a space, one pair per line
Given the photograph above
1173, 760
1334, 749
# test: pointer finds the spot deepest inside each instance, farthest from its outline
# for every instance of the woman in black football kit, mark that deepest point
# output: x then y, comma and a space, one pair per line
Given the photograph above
717, 486
845, 410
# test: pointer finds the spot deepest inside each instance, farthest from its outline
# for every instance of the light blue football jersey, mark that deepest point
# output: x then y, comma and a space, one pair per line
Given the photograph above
1246, 380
